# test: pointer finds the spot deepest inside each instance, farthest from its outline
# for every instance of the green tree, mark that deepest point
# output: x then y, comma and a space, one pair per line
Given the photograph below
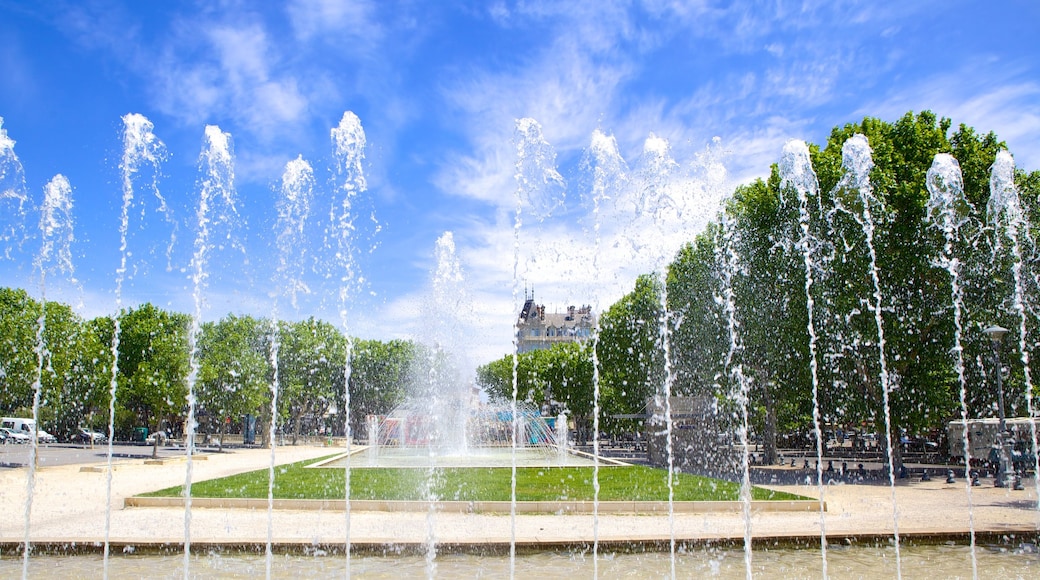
567, 371
769, 295
631, 358
699, 340
76, 367
378, 379
915, 305
19, 315
87, 390
311, 361
74, 363
235, 371
496, 378
153, 368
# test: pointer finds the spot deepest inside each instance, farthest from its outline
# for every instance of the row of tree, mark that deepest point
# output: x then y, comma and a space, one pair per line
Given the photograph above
877, 258
235, 370
736, 309
730, 320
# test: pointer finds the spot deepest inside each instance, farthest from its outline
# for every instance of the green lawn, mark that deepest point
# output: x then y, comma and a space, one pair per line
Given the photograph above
295, 481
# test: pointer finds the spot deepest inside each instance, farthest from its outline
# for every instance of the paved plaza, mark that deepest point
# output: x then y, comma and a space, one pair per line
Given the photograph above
69, 507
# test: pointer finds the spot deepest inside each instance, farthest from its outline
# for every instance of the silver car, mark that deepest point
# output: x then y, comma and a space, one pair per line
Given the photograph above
89, 437
14, 436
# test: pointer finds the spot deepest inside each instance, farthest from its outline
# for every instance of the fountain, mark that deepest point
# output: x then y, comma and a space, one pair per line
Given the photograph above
13, 198
140, 149
445, 421
55, 257
796, 169
947, 211
1005, 213
216, 209
412, 435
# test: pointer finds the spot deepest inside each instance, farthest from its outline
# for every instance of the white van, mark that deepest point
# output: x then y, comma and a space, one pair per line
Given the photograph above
26, 427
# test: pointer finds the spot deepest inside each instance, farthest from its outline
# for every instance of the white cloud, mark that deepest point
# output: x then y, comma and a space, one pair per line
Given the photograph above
582, 66
350, 21
809, 83
241, 51
986, 95
256, 166
241, 82
750, 151
571, 90
563, 87
642, 220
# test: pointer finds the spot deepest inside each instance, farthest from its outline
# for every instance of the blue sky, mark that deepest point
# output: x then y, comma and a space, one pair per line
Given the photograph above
711, 89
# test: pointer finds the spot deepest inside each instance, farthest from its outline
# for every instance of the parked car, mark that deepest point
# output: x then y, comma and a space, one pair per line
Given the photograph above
14, 436
26, 427
918, 445
88, 437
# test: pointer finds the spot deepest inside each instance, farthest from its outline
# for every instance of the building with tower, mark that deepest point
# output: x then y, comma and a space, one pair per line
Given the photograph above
538, 329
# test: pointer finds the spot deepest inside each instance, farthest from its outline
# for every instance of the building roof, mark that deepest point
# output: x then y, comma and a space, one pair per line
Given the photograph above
533, 314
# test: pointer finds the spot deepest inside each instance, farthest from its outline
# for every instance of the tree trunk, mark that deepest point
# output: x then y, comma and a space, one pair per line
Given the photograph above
897, 449
264, 423
581, 429
769, 437
296, 426
897, 453
155, 444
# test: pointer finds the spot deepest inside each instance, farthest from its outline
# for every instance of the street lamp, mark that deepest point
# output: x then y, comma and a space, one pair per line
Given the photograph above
996, 335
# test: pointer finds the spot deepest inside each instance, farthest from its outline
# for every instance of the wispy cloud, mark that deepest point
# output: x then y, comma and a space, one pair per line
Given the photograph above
345, 22
237, 79
631, 221
571, 87
568, 83
985, 94
440, 85
227, 64
566, 93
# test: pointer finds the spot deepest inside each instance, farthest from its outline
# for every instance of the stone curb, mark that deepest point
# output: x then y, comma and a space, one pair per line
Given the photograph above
487, 507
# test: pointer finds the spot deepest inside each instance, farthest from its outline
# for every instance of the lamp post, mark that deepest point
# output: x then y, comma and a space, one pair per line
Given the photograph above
996, 335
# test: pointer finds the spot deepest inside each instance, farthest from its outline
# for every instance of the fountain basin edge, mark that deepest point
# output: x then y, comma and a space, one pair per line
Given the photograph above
497, 547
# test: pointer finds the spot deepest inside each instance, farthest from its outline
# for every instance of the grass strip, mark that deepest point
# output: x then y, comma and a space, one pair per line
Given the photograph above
635, 483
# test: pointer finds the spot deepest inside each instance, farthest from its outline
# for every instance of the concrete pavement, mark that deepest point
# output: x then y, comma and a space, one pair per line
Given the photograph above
71, 506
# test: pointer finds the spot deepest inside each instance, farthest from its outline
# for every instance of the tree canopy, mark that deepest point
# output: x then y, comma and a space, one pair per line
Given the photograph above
862, 251
879, 282
236, 371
